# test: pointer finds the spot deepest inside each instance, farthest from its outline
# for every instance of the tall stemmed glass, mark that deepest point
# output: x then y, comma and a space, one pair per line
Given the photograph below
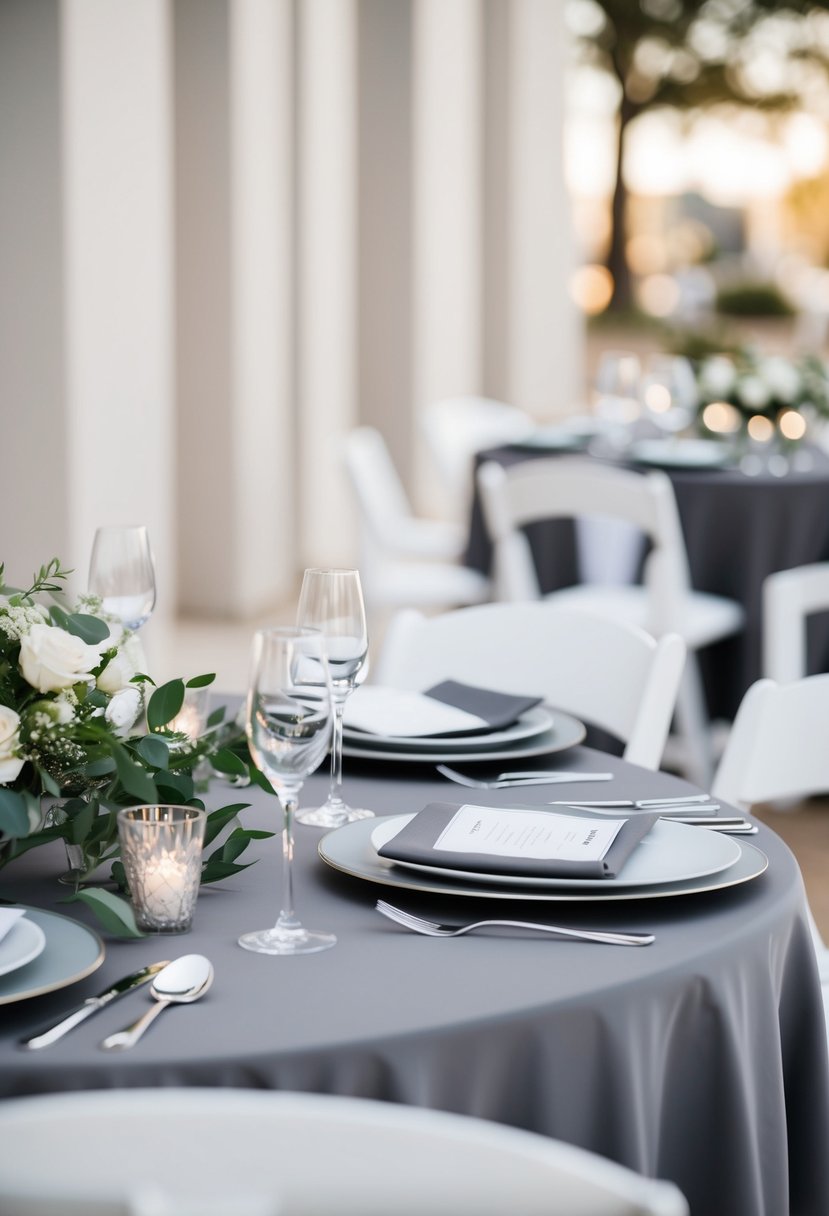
332, 601
288, 725
122, 574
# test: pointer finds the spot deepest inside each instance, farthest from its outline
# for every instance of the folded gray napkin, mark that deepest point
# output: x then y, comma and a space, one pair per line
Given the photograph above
498, 709
416, 843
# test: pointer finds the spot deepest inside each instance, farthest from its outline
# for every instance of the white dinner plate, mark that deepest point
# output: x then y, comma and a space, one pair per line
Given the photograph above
349, 850
23, 942
671, 852
71, 952
554, 439
531, 723
566, 732
681, 453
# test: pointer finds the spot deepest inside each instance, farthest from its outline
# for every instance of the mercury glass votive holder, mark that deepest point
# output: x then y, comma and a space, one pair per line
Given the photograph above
161, 848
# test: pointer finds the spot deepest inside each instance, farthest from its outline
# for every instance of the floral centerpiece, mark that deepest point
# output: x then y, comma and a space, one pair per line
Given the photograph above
84, 731
767, 396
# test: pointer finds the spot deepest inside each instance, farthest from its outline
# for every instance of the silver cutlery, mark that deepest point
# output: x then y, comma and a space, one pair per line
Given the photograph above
684, 800
179, 983
505, 781
91, 1005
432, 928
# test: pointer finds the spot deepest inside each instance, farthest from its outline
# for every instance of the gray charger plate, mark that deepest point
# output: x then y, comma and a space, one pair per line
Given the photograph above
349, 850
565, 732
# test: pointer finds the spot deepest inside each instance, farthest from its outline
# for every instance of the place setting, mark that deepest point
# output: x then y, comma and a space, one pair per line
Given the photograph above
557, 852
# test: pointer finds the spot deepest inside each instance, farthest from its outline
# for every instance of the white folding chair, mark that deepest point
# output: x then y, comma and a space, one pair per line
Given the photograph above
789, 598
203, 1152
573, 488
777, 752
456, 428
404, 560
608, 673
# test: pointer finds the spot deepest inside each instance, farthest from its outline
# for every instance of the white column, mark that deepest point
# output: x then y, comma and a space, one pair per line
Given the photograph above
327, 270
544, 334
87, 389
448, 198
234, 190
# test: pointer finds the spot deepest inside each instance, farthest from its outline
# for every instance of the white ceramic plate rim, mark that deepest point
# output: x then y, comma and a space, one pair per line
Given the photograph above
23, 942
567, 732
531, 723
671, 852
50, 973
349, 850
698, 454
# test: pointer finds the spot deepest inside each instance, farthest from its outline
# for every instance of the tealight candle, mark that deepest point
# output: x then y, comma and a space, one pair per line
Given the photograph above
192, 717
161, 848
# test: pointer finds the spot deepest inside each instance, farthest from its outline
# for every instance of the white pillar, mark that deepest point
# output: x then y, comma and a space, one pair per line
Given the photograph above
544, 334
234, 190
327, 272
85, 294
448, 198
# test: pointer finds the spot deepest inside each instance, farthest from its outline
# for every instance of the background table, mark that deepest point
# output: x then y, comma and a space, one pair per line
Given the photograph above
737, 529
701, 1058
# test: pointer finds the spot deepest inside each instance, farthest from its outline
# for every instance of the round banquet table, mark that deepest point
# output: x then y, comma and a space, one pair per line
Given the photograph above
700, 1058
738, 529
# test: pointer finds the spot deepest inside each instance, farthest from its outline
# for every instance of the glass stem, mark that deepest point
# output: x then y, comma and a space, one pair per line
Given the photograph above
287, 917
335, 789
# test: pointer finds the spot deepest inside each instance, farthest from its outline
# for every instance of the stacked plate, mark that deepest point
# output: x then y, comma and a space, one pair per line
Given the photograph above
534, 732
681, 453
44, 951
673, 859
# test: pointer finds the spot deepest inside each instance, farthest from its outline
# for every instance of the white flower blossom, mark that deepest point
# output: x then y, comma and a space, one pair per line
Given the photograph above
123, 709
51, 658
782, 378
753, 392
10, 762
717, 376
17, 619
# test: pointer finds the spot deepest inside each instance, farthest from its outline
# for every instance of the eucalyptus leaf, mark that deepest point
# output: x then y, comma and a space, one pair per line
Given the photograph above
217, 820
154, 750
216, 717
90, 629
226, 761
14, 818
201, 681
174, 787
135, 780
214, 870
113, 911
82, 823
164, 704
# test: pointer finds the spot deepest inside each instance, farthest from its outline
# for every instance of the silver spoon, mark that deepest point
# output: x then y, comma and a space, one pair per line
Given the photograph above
182, 981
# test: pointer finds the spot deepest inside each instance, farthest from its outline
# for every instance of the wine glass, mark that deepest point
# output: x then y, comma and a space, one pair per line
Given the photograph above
288, 726
122, 574
669, 392
617, 394
332, 601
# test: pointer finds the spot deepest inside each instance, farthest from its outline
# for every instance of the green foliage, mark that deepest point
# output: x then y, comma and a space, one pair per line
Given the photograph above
96, 745
752, 300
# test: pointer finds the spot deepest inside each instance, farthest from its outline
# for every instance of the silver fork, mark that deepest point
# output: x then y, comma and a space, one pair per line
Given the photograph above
434, 929
504, 781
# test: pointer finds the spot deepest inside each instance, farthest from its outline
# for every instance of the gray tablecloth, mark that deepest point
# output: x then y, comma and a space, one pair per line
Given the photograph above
701, 1058
737, 529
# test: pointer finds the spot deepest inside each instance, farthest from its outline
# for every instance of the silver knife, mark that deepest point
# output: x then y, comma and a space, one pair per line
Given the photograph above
91, 1005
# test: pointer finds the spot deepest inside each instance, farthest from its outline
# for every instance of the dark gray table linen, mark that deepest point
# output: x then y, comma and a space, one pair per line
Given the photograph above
701, 1058
738, 530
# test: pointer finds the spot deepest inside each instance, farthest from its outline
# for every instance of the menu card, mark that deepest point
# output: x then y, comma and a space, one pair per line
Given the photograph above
518, 840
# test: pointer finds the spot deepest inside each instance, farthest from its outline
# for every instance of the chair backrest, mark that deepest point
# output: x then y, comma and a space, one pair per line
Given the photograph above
202, 1152
789, 598
458, 427
606, 672
776, 748
568, 488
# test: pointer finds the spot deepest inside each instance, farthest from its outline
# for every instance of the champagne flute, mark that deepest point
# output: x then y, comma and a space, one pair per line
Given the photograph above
288, 726
122, 574
669, 392
332, 601
617, 395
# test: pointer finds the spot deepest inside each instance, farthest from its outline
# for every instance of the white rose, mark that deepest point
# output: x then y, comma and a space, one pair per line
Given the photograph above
51, 658
782, 378
123, 709
10, 764
753, 392
717, 376
117, 673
